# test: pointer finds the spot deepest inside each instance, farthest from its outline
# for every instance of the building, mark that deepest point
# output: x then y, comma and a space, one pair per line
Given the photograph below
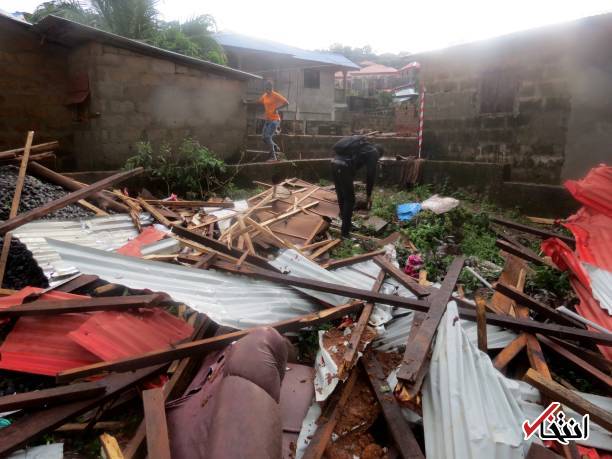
369, 80
99, 93
305, 78
539, 100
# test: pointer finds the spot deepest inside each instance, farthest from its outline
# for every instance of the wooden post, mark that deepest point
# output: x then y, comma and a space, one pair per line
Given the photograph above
158, 443
481, 322
6, 243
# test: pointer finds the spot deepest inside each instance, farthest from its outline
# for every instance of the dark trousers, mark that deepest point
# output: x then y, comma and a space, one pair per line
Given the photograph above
345, 191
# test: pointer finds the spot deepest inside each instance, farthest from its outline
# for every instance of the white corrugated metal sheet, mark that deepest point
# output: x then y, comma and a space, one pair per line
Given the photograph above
601, 285
104, 233
232, 300
469, 410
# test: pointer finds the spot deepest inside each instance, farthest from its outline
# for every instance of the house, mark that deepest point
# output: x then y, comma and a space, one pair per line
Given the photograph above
538, 100
305, 78
99, 93
369, 80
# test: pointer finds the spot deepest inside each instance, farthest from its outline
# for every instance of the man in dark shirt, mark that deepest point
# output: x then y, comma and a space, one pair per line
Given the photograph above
352, 153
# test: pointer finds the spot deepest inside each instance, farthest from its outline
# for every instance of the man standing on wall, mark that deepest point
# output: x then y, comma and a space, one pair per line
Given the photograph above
272, 102
352, 153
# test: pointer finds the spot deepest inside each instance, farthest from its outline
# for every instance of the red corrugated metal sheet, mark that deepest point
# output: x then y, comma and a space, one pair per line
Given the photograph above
41, 345
593, 233
17, 298
594, 190
589, 309
565, 259
115, 335
148, 236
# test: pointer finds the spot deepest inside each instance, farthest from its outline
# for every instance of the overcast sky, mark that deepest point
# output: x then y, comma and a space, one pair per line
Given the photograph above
391, 26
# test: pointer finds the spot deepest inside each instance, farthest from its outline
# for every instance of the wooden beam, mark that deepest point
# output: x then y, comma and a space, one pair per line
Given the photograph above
541, 308
536, 356
481, 323
554, 391
523, 252
53, 396
72, 185
404, 279
110, 447
71, 198
320, 439
576, 360
510, 351
205, 261
184, 350
158, 443
39, 422
413, 363
321, 250
38, 148
335, 264
352, 348
399, 428
544, 234
96, 210
75, 284
115, 303
6, 241
223, 204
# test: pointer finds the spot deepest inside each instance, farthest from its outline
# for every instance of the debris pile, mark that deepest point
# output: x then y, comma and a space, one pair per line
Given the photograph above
241, 332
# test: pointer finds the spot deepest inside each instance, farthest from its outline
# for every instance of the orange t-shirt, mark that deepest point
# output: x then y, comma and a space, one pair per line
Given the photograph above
271, 102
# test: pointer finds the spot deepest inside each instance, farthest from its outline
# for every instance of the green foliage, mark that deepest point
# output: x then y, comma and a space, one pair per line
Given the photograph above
139, 20
189, 168
551, 280
347, 248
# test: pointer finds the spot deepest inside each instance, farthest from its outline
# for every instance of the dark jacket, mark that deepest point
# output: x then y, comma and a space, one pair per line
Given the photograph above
356, 152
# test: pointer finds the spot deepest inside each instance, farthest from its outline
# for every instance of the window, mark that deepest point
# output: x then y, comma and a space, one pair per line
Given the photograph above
312, 79
497, 91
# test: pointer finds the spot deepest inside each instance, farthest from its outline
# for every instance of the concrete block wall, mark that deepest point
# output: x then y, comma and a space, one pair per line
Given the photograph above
309, 147
33, 88
136, 97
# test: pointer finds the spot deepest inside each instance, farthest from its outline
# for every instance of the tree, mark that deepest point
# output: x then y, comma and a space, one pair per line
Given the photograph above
139, 20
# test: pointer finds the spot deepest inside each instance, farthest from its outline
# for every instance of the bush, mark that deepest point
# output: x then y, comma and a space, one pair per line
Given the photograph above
189, 168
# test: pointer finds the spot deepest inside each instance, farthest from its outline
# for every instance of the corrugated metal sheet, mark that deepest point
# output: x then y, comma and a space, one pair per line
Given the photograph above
41, 346
594, 190
112, 335
601, 286
235, 40
469, 410
17, 298
593, 233
104, 233
231, 300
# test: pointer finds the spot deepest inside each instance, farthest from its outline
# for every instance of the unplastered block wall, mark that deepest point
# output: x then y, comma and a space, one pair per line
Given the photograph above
504, 102
33, 88
136, 97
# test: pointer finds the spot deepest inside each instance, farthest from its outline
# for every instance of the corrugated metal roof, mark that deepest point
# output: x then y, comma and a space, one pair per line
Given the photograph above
113, 335
235, 40
228, 299
469, 410
104, 233
376, 69
70, 33
593, 233
601, 286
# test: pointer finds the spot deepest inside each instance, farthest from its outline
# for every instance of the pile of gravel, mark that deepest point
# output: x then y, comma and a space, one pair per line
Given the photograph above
21, 268
35, 193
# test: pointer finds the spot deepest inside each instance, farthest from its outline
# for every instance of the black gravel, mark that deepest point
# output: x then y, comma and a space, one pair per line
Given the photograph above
35, 193
21, 268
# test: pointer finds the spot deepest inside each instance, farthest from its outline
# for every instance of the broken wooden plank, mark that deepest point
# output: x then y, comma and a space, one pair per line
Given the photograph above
205, 261
544, 234
110, 447
96, 210
413, 363
184, 350
321, 250
118, 303
353, 345
53, 396
39, 422
323, 434
75, 284
83, 426
70, 198
531, 303
522, 252
38, 148
222, 204
403, 278
399, 428
510, 351
555, 391
536, 356
158, 443
6, 241
335, 264
481, 323
72, 185
576, 360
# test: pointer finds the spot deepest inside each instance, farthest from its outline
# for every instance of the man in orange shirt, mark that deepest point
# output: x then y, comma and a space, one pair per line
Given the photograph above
272, 102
